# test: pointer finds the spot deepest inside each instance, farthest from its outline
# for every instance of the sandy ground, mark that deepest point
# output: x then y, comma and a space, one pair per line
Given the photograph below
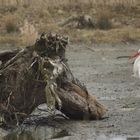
111, 81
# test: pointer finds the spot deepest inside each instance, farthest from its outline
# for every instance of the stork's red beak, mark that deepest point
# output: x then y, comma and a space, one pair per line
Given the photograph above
134, 55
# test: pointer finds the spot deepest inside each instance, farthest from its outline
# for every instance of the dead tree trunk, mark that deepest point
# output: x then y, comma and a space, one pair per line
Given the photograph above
40, 74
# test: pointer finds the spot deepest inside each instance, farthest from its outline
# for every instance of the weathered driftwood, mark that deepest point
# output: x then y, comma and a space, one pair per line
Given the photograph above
40, 74
7, 54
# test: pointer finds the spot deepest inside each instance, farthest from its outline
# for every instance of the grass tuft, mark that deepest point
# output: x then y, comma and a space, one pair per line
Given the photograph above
10, 23
104, 19
28, 33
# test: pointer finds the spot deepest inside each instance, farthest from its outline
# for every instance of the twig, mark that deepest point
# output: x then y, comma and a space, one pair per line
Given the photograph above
90, 49
119, 57
8, 100
12, 60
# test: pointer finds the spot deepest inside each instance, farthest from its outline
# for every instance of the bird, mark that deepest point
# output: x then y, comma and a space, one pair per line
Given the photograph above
136, 65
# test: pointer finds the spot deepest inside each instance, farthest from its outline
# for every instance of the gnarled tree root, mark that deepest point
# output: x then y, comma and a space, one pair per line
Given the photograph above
23, 79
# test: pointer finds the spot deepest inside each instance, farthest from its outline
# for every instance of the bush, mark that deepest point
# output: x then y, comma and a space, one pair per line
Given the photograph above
10, 22
104, 19
104, 24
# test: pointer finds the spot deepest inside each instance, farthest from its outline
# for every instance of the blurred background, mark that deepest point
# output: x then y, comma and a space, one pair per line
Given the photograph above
87, 21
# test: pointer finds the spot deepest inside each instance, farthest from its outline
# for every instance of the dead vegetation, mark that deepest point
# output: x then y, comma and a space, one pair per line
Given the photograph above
82, 21
40, 74
10, 23
28, 33
90, 16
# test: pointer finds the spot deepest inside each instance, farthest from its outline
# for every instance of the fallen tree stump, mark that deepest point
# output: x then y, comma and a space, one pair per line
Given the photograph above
40, 74
7, 54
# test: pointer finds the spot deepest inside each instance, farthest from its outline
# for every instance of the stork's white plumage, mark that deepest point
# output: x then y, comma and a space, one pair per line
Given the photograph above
136, 66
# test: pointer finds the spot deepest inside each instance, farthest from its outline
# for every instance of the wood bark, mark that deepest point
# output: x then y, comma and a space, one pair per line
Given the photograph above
22, 84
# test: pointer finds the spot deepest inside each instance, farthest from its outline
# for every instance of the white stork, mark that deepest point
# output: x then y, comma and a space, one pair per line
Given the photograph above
136, 66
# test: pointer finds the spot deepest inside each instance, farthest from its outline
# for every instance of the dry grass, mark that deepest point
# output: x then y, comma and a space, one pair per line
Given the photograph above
8, 39
10, 23
127, 34
28, 33
104, 19
57, 3
120, 17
